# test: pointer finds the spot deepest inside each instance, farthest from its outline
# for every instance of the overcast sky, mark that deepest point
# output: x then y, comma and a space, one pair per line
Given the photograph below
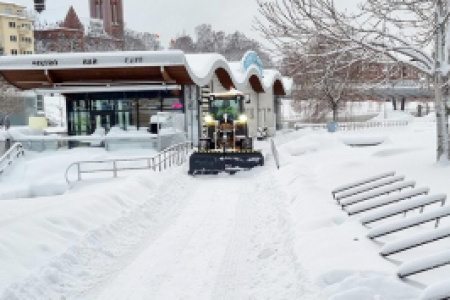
168, 18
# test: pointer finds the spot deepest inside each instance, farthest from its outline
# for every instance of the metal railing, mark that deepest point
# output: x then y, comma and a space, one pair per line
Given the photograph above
13, 153
275, 153
354, 125
371, 124
174, 155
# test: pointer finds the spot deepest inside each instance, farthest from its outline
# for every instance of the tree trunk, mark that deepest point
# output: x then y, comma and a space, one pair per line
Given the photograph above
394, 103
441, 119
335, 113
402, 105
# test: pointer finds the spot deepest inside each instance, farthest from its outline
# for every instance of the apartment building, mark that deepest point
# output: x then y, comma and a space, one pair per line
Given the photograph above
16, 30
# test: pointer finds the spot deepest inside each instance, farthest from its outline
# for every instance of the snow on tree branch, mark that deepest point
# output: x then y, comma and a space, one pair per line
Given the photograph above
401, 30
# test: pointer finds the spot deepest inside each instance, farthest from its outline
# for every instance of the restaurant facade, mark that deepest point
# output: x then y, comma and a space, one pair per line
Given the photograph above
125, 89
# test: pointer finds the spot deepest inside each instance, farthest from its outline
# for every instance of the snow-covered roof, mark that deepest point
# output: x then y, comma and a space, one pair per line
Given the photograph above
174, 65
203, 66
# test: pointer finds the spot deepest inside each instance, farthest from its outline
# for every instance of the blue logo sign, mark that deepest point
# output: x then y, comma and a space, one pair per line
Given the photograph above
251, 58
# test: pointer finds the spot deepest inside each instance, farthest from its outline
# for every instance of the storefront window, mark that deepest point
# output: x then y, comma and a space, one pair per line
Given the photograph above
127, 110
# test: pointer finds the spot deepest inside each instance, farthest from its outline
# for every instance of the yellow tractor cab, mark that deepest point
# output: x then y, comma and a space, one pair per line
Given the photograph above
225, 145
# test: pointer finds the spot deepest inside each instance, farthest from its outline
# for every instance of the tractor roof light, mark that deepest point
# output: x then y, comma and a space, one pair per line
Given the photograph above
243, 118
208, 119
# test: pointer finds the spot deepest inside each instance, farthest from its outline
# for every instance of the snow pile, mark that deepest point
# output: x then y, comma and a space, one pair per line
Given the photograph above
117, 132
345, 285
436, 291
24, 133
65, 237
310, 143
3, 135
37, 174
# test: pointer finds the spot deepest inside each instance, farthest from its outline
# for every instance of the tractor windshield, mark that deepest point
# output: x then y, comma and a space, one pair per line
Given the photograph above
222, 106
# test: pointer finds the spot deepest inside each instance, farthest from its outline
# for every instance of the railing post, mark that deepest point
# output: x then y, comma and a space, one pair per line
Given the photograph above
78, 170
114, 169
160, 161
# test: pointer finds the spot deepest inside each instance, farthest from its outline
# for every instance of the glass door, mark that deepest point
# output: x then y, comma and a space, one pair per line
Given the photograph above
102, 119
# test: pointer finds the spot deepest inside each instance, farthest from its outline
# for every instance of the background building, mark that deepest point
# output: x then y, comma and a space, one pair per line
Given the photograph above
111, 13
104, 31
67, 36
16, 30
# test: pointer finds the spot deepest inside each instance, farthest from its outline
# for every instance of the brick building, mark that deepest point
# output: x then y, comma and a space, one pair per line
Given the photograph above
67, 36
111, 13
105, 30
388, 71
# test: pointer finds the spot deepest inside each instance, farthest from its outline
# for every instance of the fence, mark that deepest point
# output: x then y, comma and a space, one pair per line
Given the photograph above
355, 125
371, 124
174, 155
13, 153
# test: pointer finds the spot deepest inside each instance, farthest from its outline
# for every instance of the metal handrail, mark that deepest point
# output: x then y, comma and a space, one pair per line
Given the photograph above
356, 125
13, 153
371, 124
174, 155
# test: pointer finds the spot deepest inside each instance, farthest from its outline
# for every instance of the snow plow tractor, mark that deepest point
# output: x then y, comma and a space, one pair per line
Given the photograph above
225, 144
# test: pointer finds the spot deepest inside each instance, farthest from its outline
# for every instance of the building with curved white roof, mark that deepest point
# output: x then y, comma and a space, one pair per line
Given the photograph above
126, 88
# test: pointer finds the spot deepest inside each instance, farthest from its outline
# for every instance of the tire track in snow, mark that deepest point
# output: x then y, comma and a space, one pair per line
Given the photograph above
260, 262
184, 261
234, 274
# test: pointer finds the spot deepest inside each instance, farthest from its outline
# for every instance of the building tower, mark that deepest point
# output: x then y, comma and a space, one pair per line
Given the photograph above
111, 12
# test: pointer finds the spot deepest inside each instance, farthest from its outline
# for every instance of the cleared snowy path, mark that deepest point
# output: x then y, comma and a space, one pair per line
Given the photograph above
229, 242
205, 237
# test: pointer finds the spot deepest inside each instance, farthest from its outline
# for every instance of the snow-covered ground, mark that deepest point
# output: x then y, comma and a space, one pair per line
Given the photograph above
261, 234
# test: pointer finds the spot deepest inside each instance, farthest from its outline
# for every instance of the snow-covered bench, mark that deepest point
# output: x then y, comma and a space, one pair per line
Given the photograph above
360, 182
403, 207
424, 264
377, 192
411, 221
437, 291
368, 187
375, 203
415, 241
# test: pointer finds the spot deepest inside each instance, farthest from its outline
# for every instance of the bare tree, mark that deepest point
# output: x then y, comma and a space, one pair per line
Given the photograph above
138, 41
401, 30
232, 46
10, 100
327, 81
185, 43
150, 41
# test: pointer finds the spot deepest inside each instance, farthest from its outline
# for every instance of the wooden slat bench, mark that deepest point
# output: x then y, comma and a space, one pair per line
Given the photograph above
377, 192
376, 203
403, 207
360, 182
423, 264
398, 225
415, 241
